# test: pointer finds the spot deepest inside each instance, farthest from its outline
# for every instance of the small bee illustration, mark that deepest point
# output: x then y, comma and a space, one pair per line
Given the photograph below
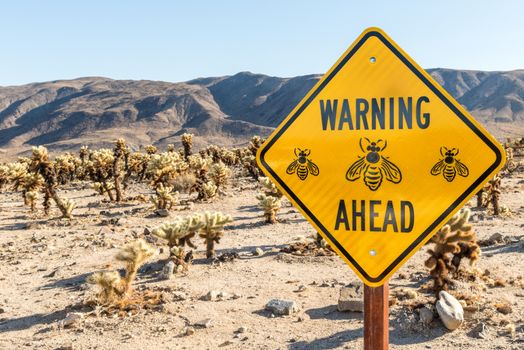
373, 166
449, 166
302, 165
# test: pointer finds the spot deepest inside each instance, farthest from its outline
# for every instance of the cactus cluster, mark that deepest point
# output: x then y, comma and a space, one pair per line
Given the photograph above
112, 286
453, 242
178, 233
270, 200
490, 195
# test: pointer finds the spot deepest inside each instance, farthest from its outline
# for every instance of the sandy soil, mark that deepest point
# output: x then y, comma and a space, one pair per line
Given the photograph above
44, 263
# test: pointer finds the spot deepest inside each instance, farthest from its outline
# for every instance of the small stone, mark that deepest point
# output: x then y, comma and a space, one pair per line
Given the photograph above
483, 331
164, 213
504, 308
226, 343
179, 296
189, 331
2, 310
205, 323
167, 270
258, 252
71, 319
496, 238
281, 307
242, 329
211, 295
147, 231
301, 288
426, 315
351, 298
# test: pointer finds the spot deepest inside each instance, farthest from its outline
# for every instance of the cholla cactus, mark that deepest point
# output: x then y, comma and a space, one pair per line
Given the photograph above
163, 167
133, 255
66, 166
209, 189
254, 144
165, 197
270, 205
491, 194
269, 187
187, 143
213, 229
136, 166
453, 242
4, 175
250, 165
32, 184
40, 164
113, 287
150, 149
110, 284
220, 174
120, 159
178, 233
100, 168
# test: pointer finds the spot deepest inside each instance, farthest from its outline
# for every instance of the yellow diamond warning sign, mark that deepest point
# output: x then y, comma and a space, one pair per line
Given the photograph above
377, 156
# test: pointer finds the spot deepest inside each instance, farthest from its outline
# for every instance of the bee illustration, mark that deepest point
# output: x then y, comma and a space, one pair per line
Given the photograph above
302, 165
373, 166
449, 166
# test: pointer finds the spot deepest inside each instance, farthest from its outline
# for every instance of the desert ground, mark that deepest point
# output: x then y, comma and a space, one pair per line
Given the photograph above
44, 263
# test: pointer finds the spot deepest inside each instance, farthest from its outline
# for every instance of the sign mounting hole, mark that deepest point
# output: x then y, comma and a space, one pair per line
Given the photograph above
372, 252
372, 59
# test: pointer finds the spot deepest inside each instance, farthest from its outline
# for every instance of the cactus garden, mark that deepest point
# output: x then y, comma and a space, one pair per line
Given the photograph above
186, 248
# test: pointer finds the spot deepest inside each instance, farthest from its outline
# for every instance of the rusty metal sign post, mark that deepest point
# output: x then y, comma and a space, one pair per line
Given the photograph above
377, 157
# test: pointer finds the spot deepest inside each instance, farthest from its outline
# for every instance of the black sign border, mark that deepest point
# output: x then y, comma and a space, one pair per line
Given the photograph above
437, 92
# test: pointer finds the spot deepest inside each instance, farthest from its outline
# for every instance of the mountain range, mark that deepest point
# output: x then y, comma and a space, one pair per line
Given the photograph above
65, 114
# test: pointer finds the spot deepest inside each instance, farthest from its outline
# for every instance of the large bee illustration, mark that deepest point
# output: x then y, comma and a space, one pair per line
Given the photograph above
302, 165
373, 166
449, 166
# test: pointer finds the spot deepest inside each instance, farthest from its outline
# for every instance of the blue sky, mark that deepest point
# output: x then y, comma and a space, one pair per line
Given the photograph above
181, 40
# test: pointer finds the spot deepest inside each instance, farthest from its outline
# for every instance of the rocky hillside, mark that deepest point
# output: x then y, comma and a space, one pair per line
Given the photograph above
226, 110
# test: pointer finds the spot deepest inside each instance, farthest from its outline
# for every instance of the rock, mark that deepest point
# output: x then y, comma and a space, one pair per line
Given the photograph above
450, 310
2, 310
504, 308
258, 252
301, 288
426, 315
351, 298
226, 343
496, 238
189, 331
179, 296
147, 231
281, 307
71, 319
215, 295
406, 293
483, 332
167, 270
242, 329
205, 323
164, 213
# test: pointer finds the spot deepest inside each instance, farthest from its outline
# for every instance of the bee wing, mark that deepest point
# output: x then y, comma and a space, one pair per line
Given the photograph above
313, 168
391, 171
292, 167
462, 170
437, 168
355, 169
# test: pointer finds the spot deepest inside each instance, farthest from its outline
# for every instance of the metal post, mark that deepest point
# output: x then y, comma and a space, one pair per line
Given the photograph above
376, 317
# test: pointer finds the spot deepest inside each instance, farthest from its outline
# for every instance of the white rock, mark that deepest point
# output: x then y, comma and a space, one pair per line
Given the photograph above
450, 311
72, 319
281, 307
206, 323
